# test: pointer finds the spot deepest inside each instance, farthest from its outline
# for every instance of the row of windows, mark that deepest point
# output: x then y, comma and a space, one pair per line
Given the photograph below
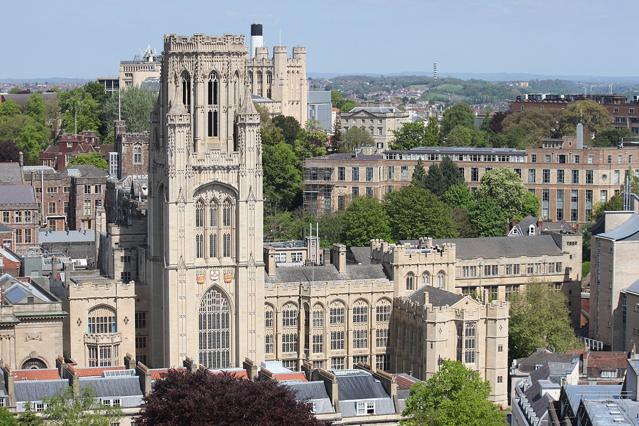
337, 314
289, 341
19, 216
440, 280
537, 268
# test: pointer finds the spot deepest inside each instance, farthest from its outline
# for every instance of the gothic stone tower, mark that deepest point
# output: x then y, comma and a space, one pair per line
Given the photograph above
205, 273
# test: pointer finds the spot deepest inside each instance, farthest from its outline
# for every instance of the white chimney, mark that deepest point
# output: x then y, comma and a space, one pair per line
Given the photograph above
257, 38
580, 136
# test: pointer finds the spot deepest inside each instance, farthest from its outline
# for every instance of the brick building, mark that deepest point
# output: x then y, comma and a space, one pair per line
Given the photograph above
88, 185
52, 192
68, 146
132, 150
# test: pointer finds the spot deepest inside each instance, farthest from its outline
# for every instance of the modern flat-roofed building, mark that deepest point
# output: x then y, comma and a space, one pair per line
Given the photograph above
569, 181
320, 109
133, 73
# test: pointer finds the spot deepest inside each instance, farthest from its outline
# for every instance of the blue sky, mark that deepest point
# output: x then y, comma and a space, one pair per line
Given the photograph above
87, 38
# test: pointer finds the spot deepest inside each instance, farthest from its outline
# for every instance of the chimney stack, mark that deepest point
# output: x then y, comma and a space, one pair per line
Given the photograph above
580, 136
257, 38
269, 260
338, 257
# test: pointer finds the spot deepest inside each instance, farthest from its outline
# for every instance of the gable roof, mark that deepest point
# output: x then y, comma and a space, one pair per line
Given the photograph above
39, 390
436, 296
359, 385
325, 273
17, 195
113, 386
10, 173
627, 231
508, 247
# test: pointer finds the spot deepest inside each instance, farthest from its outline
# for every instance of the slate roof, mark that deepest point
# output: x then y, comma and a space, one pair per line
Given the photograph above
308, 390
541, 357
38, 390
360, 255
575, 393
359, 385
10, 173
85, 236
325, 273
5, 228
113, 386
17, 195
86, 171
349, 156
436, 296
508, 247
373, 110
627, 231
633, 288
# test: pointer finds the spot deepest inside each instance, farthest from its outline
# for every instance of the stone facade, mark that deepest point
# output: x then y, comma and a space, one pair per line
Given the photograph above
380, 122
133, 151
133, 73
281, 79
100, 328
205, 207
30, 325
613, 281
568, 181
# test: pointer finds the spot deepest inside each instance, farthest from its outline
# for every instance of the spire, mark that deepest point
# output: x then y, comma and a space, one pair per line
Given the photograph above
247, 106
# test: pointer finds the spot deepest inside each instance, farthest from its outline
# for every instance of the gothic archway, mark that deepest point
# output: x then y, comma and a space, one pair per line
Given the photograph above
215, 330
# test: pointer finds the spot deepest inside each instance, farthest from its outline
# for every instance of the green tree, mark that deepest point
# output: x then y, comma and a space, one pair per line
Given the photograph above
338, 100
431, 133
453, 396
9, 108
331, 227
353, 138
282, 226
83, 410
36, 108
6, 418
462, 220
416, 212
460, 114
442, 176
28, 417
410, 135
310, 143
460, 136
89, 159
508, 191
289, 126
527, 129
458, 195
365, 219
611, 136
32, 139
136, 105
79, 107
282, 178
615, 203
539, 318
419, 174
592, 115
488, 217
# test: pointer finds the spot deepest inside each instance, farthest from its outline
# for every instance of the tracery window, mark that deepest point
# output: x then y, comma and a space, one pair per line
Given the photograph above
215, 330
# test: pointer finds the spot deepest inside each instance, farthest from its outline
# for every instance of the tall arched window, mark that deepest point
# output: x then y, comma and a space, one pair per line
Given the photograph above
441, 279
102, 320
213, 245
186, 90
199, 214
360, 312
199, 246
383, 310
226, 249
426, 278
137, 155
289, 315
226, 213
212, 89
215, 330
213, 214
410, 281
318, 315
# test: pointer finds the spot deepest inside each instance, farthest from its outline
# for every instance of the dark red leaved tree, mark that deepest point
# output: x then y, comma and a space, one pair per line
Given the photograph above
203, 398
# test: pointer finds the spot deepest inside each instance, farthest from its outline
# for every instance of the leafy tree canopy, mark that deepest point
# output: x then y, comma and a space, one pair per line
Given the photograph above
68, 409
457, 115
615, 203
203, 398
89, 159
442, 176
508, 191
136, 105
416, 212
539, 318
458, 195
528, 128
289, 126
592, 115
415, 134
78, 106
353, 138
338, 100
365, 219
282, 177
419, 175
455, 395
